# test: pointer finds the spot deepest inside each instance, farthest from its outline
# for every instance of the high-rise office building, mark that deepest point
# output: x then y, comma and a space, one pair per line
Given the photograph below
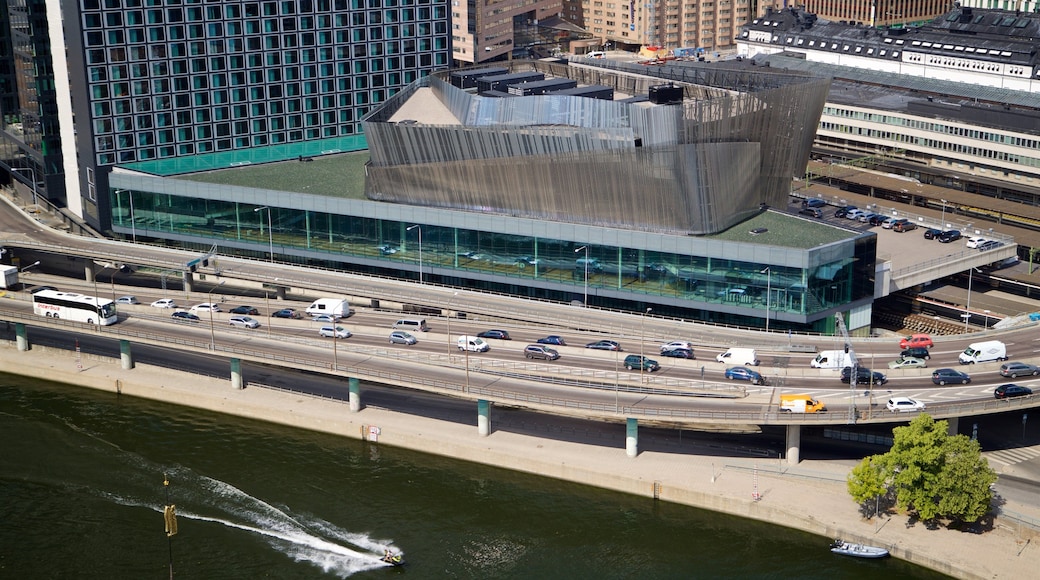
168, 86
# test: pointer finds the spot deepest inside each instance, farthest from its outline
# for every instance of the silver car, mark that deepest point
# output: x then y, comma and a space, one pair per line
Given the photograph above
402, 337
243, 322
334, 332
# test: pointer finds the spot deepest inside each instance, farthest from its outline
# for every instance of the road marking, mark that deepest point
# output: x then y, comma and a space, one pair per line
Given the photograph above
1007, 457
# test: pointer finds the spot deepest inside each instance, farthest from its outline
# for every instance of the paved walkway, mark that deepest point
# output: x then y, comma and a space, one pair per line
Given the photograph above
810, 496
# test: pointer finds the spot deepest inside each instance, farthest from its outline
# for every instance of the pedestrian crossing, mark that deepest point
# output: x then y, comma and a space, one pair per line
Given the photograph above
1002, 458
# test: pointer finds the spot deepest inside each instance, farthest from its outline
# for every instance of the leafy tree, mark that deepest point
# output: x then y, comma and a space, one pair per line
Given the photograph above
929, 472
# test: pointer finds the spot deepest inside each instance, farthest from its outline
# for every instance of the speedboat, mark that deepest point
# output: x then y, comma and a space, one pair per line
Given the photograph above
840, 546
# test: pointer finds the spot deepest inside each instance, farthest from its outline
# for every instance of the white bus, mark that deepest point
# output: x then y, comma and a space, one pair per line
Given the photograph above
76, 307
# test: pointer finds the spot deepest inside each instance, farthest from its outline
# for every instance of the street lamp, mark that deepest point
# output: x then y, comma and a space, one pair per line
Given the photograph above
33, 265
942, 225
642, 341
209, 301
270, 231
585, 303
408, 229
32, 173
967, 307
452, 299
769, 276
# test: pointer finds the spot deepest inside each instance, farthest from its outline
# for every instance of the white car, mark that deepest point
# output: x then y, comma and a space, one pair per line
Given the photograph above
904, 404
205, 307
854, 214
975, 242
243, 322
685, 344
334, 332
164, 303
128, 300
887, 224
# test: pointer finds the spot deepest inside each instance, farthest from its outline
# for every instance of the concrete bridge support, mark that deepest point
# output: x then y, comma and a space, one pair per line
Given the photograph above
954, 424
483, 417
236, 374
90, 271
794, 440
354, 394
631, 436
126, 357
189, 281
22, 336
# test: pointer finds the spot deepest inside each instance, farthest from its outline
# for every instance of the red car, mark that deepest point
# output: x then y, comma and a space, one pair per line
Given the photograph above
916, 340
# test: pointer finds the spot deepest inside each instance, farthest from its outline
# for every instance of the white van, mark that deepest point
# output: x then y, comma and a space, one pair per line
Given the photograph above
412, 324
738, 356
980, 352
473, 344
832, 359
332, 306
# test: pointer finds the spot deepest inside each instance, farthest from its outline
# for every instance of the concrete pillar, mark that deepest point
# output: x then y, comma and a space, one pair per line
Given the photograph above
355, 394
953, 424
631, 437
89, 271
236, 374
22, 336
794, 439
189, 281
125, 356
280, 293
483, 417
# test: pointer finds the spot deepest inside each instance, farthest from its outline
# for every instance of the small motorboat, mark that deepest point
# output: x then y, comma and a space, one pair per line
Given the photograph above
840, 546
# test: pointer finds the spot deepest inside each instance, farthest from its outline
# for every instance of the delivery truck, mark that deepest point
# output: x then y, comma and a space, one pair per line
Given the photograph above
337, 307
832, 359
8, 276
801, 404
980, 352
738, 356
472, 344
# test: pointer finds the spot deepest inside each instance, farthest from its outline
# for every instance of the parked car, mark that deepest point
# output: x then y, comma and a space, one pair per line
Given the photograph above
286, 313
853, 214
975, 241
877, 219
744, 374
904, 404
811, 212
127, 300
164, 303
907, 363
916, 352
949, 236
917, 339
499, 334
989, 245
863, 376
552, 339
904, 226
678, 353
541, 351
603, 345
635, 361
814, 202
677, 344
1018, 369
949, 376
182, 316
334, 332
243, 322
402, 337
843, 211
866, 216
329, 318
245, 310
206, 307
1011, 390
932, 233
888, 223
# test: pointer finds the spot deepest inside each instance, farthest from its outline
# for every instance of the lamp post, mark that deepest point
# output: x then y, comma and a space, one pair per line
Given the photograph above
270, 231
942, 225
585, 302
769, 279
408, 229
209, 300
642, 341
452, 299
32, 173
33, 265
967, 307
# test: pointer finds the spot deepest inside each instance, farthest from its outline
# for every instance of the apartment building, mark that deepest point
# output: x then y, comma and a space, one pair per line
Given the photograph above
488, 30
711, 25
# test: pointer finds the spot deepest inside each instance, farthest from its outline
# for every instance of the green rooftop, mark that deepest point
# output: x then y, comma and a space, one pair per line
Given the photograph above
784, 230
341, 175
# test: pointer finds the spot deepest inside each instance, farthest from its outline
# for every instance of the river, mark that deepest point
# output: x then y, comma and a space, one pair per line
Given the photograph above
81, 482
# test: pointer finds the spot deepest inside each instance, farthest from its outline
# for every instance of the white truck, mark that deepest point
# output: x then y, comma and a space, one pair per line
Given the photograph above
473, 344
980, 352
832, 359
8, 276
738, 356
333, 306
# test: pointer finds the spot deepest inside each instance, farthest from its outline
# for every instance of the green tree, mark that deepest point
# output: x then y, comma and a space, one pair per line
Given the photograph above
929, 472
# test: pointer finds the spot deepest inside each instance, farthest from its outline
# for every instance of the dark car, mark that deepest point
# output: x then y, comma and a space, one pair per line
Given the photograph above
678, 353
1011, 390
877, 219
989, 245
552, 339
603, 345
863, 376
635, 361
541, 351
916, 352
932, 234
949, 236
499, 334
245, 310
944, 376
286, 313
744, 374
1018, 369
811, 212
814, 202
844, 211
184, 317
